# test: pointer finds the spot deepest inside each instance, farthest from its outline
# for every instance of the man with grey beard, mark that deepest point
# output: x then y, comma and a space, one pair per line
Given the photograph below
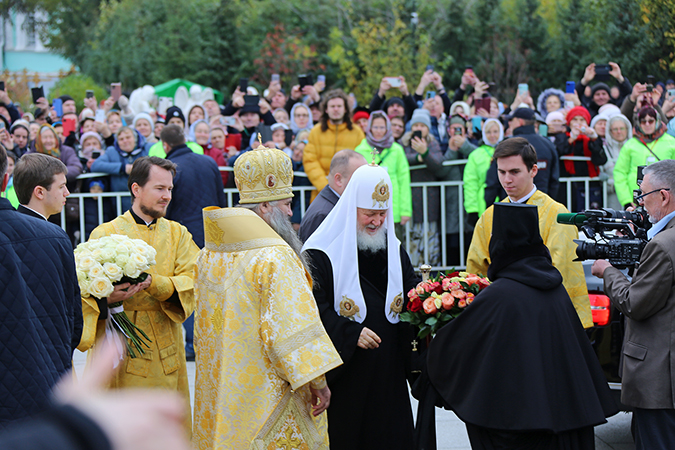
261, 350
362, 275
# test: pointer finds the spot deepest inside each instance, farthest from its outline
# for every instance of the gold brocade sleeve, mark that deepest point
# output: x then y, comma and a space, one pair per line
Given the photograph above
291, 330
90, 313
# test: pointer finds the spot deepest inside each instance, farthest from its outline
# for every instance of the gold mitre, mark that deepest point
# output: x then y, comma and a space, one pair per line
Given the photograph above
263, 175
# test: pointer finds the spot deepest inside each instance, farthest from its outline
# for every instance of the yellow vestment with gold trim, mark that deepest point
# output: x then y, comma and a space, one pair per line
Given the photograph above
259, 339
156, 310
557, 237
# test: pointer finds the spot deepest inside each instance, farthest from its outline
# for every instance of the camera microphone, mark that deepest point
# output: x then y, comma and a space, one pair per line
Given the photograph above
571, 218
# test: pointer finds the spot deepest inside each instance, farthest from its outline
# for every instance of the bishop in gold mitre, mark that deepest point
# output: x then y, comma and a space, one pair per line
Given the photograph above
261, 349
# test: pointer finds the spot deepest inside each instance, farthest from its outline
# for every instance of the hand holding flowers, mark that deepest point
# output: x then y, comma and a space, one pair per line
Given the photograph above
436, 301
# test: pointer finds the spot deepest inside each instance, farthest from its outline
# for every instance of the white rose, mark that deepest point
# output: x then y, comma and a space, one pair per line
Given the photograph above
131, 269
97, 253
140, 261
121, 259
107, 255
96, 271
85, 263
84, 287
81, 275
113, 271
101, 287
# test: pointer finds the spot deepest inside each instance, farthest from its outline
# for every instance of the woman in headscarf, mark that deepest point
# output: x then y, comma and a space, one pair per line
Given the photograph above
144, 124
392, 156
650, 143
426, 164
202, 134
549, 101
301, 118
476, 169
119, 158
47, 142
619, 130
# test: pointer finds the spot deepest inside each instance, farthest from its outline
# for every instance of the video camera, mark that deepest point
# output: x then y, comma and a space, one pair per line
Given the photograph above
622, 250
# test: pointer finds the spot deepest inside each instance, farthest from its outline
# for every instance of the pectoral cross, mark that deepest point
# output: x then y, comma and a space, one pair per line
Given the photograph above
414, 345
373, 152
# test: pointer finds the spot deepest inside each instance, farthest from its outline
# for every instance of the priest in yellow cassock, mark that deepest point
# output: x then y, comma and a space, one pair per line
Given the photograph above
165, 299
261, 349
517, 167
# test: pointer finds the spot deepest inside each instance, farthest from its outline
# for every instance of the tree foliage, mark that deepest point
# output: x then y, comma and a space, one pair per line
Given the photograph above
76, 85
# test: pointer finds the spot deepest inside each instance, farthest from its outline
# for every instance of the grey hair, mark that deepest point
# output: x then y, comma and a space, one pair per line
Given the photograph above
662, 174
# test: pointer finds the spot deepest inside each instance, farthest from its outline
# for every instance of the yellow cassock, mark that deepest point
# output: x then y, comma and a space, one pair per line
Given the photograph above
258, 335
557, 237
159, 310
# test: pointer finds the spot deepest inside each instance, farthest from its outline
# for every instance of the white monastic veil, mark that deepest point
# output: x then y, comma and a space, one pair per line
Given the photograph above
336, 237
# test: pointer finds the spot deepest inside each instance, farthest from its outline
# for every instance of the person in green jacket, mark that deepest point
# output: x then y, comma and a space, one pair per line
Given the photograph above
476, 169
392, 157
174, 115
9, 193
650, 144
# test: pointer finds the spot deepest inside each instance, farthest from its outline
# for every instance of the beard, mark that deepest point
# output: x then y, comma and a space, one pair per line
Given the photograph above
154, 213
281, 224
371, 242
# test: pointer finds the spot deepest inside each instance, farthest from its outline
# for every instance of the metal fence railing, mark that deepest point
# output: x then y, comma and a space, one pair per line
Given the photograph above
87, 222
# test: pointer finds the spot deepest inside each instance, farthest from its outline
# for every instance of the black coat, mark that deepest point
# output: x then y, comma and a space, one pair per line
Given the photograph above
197, 184
40, 311
370, 405
518, 358
320, 208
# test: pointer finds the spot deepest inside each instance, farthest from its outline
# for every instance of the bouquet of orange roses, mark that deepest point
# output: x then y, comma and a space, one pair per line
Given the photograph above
436, 301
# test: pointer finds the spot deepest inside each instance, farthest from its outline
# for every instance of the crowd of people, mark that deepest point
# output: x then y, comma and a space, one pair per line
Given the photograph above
295, 317
594, 128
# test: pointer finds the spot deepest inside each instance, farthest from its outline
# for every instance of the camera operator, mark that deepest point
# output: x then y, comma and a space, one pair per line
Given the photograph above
648, 302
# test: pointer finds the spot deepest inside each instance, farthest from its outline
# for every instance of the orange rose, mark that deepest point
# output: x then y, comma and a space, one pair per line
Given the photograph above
420, 289
472, 280
447, 300
461, 303
430, 306
469, 298
458, 294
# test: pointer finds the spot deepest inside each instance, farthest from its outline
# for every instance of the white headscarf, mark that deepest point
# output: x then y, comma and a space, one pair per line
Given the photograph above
368, 188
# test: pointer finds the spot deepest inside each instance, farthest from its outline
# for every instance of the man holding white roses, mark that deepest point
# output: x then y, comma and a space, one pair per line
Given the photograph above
160, 304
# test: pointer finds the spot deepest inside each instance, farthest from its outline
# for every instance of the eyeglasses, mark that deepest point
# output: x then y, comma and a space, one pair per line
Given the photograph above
302, 115
616, 130
648, 121
642, 196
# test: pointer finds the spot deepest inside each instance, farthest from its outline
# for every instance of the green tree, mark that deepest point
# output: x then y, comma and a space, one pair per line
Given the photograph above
76, 85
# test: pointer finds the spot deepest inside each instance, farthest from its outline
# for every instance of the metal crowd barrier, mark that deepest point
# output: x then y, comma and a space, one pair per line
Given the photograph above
566, 183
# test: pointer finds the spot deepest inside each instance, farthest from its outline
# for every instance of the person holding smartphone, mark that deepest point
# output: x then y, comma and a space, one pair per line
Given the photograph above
600, 92
402, 106
11, 113
425, 157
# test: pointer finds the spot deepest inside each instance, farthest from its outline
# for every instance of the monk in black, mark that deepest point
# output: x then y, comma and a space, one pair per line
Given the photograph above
516, 366
370, 406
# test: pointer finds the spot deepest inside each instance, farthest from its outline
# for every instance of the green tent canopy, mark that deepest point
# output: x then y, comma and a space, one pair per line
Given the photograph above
169, 88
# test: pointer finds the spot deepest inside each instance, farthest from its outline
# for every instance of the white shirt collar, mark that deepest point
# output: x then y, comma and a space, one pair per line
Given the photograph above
659, 226
36, 212
526, 198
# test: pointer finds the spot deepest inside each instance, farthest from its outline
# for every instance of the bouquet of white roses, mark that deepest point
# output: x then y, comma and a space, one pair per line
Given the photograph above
104, 262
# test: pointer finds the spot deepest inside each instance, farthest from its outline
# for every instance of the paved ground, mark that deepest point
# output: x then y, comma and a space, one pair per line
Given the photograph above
451, 434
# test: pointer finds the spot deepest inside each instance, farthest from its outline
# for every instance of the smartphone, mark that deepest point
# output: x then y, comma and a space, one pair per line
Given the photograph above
2, 125
522, 88
305, 80
95, 154
416, 134
430, 94
602, 72
430, 67
100, 116
275, 77
89, 94
570, 87
115, 91
671, 92
2, 85
57, 104
233, 140
251, 99
243, 85
483, 103
394, 81
37, 93
476, 123
543, 130
650, 79
457, 132
69, 126
321, 78
468, 69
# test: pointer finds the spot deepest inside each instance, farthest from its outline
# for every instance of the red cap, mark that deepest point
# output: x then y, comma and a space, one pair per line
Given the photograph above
578, 111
